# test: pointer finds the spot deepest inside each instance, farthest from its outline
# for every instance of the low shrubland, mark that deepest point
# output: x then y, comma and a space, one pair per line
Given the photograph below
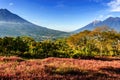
58, 69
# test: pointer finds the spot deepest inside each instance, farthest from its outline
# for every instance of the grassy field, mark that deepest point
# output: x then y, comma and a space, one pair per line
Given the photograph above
15, 68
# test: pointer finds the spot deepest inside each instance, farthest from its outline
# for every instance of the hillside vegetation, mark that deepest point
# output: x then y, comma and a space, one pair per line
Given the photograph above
102, 41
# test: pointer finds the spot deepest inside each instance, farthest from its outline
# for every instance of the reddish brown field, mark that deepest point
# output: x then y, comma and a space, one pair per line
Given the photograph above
14, 68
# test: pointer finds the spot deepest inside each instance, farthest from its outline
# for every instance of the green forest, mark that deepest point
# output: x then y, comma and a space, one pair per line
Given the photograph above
102, 41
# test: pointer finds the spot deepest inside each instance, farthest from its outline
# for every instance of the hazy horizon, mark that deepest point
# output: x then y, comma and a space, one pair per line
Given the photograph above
64, 15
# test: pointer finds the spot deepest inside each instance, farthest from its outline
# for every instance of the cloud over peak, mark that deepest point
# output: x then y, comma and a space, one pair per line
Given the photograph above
114, 5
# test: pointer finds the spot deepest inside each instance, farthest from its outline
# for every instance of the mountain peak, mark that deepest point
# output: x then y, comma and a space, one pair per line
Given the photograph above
7, 16
112, 22
3, 9
4, 12
110, 18
96, 21
113, 18
13, 25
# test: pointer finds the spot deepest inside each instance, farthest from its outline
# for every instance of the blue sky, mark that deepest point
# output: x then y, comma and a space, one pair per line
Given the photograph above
65, 15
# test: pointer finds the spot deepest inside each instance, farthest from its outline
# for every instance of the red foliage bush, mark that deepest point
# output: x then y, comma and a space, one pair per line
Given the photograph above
58, 69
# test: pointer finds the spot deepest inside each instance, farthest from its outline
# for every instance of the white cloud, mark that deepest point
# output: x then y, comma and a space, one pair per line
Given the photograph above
114, 5
99, 17
109, 15
102, 17
11, 4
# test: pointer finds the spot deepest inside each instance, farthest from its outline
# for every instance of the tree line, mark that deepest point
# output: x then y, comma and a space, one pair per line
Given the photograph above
102, 41
29, 48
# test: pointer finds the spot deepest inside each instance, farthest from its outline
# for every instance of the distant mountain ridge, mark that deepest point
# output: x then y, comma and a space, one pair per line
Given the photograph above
112, 22
13, 25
